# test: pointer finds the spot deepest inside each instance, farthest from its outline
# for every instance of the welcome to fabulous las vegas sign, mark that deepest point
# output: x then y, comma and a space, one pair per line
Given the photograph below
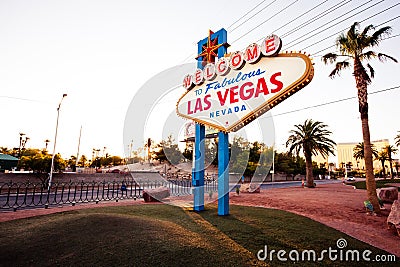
240, 87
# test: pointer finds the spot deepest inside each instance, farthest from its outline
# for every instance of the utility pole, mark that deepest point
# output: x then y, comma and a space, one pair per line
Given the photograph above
54, 147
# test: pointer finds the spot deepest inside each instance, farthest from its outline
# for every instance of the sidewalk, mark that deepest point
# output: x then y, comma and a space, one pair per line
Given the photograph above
25, 213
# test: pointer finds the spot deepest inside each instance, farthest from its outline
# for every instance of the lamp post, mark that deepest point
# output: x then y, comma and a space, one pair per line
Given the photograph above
55, 142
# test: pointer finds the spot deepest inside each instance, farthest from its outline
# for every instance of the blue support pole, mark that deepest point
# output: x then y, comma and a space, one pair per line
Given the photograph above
199, 153
198, 170
223, 174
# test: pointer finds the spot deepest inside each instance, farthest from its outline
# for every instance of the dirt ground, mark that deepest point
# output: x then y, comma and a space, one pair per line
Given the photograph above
336, 205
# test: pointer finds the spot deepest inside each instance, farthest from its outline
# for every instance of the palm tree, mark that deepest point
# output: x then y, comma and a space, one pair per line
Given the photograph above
389, 150
4, 150
397, 139
358, 151
397, 165
312, 138
355, 46
382, 157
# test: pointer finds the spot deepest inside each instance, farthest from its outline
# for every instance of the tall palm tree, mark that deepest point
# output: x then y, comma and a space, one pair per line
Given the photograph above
397, 139
358, 151
311, 138
382, 157
389, 151
355, 46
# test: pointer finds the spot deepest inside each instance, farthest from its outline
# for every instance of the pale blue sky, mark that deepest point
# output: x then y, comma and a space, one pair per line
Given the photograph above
100, 52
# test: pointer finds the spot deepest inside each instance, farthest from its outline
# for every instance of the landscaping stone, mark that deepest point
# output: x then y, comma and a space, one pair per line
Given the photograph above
156, 194
394, 216
388, 194
249, 188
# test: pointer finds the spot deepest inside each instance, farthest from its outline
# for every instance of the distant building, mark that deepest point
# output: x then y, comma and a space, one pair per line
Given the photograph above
345, 154
7, 162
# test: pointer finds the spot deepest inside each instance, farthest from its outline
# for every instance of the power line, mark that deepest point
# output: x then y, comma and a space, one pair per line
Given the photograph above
252, 16
308, 11
320, 15
347, 28
20, 98
376, 14
274, 15
248, 12
303, 35
317, 17
332, 46
333, 102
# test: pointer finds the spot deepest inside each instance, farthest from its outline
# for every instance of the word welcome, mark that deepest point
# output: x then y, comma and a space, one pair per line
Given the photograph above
270, 46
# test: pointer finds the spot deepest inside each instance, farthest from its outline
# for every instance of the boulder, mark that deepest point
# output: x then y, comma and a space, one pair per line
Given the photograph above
156, 194
388, 194
394, 216
249, 188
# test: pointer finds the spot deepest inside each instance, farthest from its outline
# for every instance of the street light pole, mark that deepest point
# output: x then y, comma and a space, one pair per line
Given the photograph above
55, 142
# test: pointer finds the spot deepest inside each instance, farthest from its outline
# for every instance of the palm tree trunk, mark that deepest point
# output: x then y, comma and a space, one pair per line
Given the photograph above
391, 165
361, 84
383, 169
369, 168
309, 171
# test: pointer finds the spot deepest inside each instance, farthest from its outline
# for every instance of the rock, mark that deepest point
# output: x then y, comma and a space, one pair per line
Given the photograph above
388, 194
394, 216
249, 188
156, 194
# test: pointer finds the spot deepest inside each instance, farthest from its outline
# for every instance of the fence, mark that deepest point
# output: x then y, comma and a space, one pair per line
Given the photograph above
25, 195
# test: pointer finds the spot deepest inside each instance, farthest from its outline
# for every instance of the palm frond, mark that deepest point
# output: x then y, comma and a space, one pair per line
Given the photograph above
338, 68
371, 70
367, 29
377, 36
342, 43
329, 58
368, 55
383, 57
397, 139
353, 32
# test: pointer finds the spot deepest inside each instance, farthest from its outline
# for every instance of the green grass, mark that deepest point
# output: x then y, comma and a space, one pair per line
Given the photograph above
162, 235
379, 183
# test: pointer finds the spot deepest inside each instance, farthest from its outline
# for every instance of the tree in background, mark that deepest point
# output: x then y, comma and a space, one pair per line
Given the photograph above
397, 139
397, 165
382, 157
312, 138
358, 151
82, 161
389, 151
4, 150
239, 156
289, 164
355, 46
168, 151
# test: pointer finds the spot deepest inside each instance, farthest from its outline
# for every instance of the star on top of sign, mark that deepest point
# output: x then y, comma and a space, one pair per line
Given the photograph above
209, 49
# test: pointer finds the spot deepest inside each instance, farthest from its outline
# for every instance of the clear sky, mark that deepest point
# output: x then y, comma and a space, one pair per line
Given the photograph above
100, 52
